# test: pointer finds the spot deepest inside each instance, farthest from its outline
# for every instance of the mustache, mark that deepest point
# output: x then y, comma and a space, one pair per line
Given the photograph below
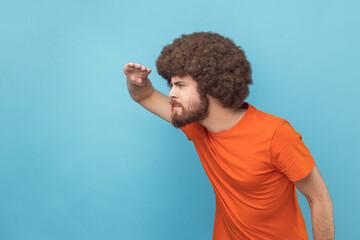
174, 103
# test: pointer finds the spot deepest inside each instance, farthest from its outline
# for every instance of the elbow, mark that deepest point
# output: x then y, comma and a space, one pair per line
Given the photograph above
320, 200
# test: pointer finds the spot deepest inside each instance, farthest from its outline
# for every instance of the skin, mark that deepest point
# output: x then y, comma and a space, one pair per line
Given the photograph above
183, 93
141, 91
314, 189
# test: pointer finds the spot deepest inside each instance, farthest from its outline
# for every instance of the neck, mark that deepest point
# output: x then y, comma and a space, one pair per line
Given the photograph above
220, 118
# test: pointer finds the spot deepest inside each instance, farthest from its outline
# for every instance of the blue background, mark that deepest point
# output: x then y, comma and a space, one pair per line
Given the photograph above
80, 160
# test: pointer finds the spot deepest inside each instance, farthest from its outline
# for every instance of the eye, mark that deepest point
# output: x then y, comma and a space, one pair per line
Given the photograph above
179, 85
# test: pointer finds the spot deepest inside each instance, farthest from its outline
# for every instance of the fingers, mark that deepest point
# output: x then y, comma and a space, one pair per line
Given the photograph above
138, 67
140, 81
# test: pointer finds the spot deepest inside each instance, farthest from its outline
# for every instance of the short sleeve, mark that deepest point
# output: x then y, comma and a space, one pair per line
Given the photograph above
289, 154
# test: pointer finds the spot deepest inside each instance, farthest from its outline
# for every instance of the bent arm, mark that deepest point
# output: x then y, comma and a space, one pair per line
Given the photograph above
314, 189
142, 91
138, 92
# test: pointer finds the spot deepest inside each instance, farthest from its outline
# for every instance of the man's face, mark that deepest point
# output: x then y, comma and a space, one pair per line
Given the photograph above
188, 105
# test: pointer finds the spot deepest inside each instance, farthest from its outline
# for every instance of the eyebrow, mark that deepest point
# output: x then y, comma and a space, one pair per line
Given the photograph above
170, 84
176, 82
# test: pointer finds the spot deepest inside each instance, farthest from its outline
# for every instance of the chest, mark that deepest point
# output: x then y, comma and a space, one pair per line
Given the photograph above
242, 161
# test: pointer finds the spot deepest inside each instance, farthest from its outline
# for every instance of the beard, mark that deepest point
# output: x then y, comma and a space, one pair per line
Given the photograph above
196, 111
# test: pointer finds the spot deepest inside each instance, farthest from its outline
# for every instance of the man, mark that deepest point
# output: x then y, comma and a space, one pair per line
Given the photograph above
254, 160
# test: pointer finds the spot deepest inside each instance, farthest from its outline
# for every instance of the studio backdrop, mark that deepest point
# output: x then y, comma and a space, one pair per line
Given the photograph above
79, 159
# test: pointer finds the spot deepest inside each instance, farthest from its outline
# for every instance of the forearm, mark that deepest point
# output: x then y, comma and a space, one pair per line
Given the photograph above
322, 219
139, 93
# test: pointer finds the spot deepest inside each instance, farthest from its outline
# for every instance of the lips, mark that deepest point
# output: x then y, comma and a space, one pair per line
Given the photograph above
174, 105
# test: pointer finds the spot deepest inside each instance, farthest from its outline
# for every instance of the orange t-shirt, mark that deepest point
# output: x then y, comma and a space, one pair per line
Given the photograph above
251, 167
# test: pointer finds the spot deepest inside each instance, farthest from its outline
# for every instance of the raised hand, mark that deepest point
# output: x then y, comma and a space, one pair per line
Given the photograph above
138, 74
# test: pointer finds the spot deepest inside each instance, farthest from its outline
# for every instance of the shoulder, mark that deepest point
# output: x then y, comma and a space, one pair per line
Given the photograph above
265, 121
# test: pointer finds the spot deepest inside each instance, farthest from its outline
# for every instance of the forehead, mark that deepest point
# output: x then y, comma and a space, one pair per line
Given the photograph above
185, 79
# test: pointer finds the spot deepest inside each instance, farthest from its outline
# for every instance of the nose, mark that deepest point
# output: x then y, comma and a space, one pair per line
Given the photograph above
172, 93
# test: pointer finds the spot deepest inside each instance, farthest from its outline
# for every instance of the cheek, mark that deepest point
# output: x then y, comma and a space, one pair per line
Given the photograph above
193, 100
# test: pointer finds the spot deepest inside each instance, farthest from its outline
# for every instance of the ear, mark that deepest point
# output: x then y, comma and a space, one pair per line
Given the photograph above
214, 101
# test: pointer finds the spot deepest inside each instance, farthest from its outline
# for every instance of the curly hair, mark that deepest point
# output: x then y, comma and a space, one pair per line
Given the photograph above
218, 66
